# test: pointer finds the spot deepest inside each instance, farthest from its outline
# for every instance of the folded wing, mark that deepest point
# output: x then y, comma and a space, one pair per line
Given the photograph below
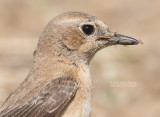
51, 101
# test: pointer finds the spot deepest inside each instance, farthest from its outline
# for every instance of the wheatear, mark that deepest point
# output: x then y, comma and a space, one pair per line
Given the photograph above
59, 82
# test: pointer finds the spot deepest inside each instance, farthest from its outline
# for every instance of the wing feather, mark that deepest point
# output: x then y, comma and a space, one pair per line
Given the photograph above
49, 102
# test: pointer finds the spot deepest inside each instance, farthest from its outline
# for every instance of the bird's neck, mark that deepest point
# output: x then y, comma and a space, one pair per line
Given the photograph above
45, 65
53, 67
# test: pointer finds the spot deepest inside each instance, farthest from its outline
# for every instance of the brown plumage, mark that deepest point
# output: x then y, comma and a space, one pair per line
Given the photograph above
59, 83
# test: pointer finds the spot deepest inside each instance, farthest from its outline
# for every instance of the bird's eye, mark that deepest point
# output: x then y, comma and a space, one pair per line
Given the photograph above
88, 29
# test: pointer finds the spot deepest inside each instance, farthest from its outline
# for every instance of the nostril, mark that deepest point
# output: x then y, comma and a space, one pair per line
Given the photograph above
116, 35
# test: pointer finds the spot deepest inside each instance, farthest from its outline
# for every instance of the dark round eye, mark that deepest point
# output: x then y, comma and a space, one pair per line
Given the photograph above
88, 29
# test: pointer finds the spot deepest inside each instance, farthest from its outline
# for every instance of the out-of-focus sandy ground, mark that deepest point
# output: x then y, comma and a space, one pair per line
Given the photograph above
22, 21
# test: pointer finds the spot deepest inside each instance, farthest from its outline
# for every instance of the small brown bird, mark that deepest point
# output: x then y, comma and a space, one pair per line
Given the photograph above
59, 82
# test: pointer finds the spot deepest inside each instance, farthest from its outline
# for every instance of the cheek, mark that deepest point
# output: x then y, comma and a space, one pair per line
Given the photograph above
94, 47
88, 47
73, 39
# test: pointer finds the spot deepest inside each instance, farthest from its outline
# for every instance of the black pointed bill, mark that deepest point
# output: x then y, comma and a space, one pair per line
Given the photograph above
124, 40
120, 39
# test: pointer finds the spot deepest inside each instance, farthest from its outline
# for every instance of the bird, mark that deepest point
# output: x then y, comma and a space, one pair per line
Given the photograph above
59, 82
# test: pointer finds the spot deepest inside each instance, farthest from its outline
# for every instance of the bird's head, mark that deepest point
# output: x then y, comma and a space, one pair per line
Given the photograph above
79, 36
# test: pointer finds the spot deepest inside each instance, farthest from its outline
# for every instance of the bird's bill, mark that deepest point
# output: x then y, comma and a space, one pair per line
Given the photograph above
120, 39
123, 40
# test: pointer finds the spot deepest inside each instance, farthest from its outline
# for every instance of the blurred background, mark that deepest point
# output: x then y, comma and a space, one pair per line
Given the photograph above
126, 79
